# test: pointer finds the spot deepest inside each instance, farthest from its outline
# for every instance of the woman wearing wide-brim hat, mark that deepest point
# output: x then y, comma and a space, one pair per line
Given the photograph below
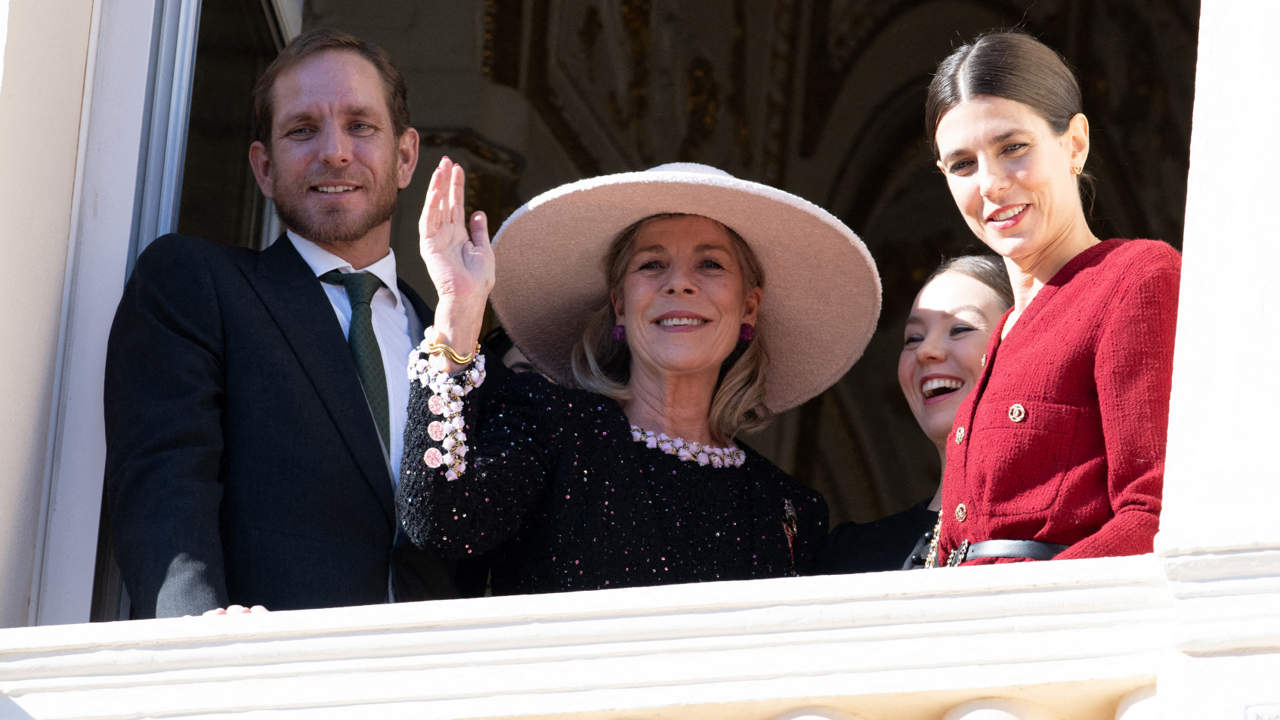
665, 311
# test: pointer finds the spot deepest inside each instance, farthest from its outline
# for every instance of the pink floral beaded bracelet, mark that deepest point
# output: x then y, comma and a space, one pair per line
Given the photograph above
447, 392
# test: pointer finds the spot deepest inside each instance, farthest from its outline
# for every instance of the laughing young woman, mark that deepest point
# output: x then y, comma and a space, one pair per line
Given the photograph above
943, 348
1059, 450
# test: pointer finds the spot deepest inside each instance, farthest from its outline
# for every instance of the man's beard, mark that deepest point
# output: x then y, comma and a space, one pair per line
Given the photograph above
338, 227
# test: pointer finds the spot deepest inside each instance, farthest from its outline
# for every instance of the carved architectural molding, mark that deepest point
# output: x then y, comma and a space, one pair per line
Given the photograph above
630, 84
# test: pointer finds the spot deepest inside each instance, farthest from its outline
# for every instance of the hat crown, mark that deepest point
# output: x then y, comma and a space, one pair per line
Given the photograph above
690, 168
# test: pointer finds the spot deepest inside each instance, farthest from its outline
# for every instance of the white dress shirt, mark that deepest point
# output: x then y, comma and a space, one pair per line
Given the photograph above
394, 323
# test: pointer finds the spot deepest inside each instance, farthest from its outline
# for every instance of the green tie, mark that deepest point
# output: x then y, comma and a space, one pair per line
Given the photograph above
364, 343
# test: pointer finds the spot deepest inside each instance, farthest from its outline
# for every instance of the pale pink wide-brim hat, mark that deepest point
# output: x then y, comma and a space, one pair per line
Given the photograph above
821, 289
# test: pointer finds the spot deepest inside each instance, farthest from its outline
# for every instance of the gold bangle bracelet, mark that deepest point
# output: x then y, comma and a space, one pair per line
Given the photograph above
436, 348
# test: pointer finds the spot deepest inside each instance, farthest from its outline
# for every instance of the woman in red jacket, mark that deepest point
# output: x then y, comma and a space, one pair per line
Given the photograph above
1059, 450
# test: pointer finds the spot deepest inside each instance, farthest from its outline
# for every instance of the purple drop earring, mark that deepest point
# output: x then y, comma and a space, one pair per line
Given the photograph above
747, 332
618, 333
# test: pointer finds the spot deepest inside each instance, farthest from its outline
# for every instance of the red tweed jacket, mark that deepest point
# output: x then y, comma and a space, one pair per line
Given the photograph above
1063, 439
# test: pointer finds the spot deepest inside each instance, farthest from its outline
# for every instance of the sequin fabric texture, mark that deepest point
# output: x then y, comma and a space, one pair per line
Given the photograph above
558, 496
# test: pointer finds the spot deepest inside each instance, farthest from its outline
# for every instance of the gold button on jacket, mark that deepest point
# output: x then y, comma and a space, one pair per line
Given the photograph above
1017, 413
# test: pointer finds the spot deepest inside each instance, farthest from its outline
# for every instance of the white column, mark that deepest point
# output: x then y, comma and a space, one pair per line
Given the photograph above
1220, 488
1220, 534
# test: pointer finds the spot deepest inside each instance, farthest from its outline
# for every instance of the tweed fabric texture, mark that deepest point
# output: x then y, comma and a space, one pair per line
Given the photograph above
558, 496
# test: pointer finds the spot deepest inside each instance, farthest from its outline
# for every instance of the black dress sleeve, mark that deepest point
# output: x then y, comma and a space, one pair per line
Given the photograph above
474, 463
884, 544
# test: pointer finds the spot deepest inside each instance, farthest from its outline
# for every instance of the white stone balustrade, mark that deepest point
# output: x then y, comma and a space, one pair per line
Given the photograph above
1111, 639
1076, 637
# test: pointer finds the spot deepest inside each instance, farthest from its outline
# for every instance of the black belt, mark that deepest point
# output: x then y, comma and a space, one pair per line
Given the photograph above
1030, 549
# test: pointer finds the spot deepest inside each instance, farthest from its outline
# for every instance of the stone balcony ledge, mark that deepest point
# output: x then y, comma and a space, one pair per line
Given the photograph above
1073, 638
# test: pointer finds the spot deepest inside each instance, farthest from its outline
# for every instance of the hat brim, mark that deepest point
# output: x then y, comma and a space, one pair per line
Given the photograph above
821, 292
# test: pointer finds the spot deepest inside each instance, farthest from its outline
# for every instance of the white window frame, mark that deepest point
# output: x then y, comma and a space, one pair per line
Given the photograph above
128, 184
129, 173
4, 35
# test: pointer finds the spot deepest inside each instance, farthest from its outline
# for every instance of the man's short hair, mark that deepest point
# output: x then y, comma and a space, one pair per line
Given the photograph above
321, 40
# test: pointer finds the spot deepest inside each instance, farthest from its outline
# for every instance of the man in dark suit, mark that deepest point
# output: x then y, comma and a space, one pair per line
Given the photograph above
252, 446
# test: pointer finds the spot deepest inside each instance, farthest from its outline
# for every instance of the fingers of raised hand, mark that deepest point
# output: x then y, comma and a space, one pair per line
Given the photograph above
480, 230
437, 211
432, 210
478, 254
457, 196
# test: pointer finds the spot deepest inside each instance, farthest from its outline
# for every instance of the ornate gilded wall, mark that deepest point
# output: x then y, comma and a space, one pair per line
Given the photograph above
821, 98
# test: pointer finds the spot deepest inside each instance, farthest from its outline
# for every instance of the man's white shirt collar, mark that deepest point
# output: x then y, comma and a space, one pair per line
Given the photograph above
322, 261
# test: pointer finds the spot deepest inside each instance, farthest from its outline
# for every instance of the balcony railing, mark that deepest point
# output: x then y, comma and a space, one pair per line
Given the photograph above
1072, 639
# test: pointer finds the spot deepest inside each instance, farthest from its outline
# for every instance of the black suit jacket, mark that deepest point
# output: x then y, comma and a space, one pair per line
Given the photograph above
243, 465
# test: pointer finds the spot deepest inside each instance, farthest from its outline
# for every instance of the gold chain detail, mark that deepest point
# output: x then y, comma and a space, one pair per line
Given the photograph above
931, 560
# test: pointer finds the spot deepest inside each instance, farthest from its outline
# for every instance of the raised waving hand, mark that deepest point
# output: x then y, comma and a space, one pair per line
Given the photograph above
458, 257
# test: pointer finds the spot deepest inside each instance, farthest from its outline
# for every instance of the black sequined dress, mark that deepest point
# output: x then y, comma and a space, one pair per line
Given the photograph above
558, 496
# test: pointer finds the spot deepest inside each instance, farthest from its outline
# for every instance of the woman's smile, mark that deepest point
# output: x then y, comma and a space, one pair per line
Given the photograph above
681, 321
1008, 216
936, 388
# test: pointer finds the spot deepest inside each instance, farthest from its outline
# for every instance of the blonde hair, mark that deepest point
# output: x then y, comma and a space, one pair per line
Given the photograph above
603, 365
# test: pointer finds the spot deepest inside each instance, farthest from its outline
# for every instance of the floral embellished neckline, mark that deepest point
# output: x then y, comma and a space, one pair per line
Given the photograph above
690, 451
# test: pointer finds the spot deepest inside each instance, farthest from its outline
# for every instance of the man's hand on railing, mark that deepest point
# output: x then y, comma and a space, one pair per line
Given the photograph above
236, 610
